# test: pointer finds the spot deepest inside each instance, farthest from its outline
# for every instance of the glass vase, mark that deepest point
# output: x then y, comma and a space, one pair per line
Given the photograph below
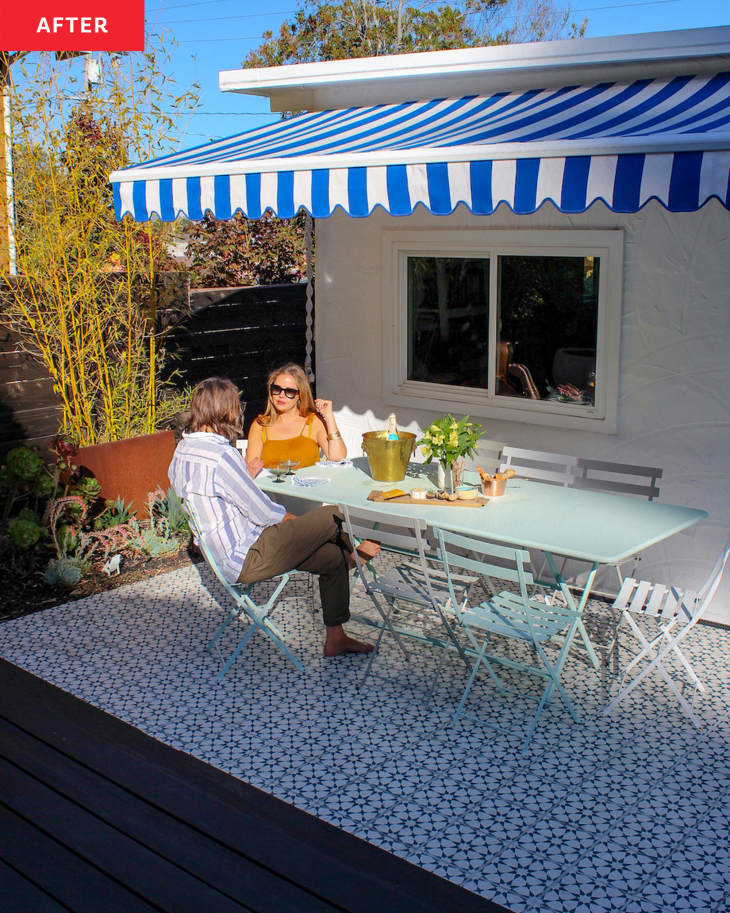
445, 479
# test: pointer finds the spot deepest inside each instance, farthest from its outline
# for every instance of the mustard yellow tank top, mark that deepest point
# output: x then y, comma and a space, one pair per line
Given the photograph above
303, 447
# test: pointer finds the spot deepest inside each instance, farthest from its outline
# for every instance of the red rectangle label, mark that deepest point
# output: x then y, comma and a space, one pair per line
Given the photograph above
74, 25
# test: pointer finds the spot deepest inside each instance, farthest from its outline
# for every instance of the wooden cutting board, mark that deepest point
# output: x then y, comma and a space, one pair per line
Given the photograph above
375, 495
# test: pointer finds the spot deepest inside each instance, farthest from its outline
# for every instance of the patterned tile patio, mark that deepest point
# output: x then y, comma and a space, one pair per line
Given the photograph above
624, 813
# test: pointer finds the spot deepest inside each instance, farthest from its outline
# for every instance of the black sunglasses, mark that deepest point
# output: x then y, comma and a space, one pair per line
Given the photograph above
289, 392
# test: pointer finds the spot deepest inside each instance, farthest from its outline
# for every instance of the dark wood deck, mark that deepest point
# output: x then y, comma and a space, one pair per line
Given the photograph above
97, 816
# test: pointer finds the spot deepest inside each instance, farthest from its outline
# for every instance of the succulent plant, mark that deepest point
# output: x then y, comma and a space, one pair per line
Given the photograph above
65, 572
23, 463
155, 545
24, 533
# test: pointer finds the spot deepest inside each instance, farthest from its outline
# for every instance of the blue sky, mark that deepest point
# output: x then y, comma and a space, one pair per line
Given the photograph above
214, 35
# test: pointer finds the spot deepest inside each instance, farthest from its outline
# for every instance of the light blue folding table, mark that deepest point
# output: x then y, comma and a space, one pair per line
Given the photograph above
596, 527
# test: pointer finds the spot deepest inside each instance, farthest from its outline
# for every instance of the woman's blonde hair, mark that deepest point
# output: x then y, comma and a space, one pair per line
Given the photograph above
216, 404
306, 400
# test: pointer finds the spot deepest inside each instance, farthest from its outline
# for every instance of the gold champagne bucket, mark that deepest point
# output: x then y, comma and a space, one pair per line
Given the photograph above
388, 460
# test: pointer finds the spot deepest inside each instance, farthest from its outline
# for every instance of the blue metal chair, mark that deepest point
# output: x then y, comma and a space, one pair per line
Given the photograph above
514, 615
244, 606
410, 596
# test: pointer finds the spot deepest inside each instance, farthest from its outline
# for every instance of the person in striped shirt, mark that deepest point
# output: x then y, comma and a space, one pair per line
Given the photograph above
251, 537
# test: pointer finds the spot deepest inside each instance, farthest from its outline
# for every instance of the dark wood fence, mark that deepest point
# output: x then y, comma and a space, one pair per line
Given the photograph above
240, 333
30, 412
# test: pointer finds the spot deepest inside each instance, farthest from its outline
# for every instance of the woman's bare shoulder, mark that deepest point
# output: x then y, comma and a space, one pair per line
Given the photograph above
255, 431
318, 426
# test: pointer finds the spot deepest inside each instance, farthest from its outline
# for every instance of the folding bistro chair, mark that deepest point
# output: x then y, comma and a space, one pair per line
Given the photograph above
507, 614
674, 613
244, 607
413, 588
623, 479
539, 465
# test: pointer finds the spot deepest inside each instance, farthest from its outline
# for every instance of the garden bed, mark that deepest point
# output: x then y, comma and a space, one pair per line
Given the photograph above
23, 595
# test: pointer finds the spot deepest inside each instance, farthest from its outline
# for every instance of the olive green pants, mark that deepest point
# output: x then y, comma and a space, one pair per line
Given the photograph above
313, 542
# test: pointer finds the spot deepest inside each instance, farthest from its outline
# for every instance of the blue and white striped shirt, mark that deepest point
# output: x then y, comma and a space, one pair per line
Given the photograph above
231, 510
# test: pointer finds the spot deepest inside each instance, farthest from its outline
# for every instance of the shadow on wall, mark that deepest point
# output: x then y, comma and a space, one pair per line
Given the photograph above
12, 433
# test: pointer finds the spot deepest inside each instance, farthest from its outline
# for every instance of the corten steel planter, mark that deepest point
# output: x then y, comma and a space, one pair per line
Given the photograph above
130, 468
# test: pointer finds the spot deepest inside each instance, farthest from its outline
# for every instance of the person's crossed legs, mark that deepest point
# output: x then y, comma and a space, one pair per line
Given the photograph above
313, 542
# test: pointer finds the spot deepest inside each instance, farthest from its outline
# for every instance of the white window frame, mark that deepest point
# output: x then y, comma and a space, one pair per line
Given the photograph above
397, 246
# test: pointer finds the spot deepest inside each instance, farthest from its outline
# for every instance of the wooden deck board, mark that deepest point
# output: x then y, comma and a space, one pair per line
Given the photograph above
94, 809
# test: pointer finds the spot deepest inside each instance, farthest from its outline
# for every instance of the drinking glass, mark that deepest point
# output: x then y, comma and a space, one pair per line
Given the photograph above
290, 465
278, 472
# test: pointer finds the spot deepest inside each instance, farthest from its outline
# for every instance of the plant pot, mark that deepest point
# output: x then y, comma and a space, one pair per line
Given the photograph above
130, 468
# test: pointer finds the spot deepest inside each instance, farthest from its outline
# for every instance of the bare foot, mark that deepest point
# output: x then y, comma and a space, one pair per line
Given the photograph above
335, 646
367, 550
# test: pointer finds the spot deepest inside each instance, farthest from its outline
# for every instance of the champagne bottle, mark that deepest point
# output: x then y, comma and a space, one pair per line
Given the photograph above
391, 428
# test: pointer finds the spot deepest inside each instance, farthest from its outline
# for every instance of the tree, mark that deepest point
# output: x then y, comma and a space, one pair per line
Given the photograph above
242, 251
322, 30
85, 298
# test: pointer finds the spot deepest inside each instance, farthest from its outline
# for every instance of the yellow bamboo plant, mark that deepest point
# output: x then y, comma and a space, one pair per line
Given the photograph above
84, 300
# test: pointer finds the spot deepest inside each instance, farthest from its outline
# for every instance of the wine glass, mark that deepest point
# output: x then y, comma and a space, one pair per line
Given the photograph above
290, 465
278, 471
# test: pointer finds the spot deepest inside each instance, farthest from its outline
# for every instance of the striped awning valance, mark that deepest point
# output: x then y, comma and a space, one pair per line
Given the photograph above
623, 144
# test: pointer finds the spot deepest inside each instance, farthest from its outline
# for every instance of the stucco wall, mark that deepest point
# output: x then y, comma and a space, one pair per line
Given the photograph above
674, 408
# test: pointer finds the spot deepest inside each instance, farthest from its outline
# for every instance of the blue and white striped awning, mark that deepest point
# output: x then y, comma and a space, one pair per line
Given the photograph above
623, 144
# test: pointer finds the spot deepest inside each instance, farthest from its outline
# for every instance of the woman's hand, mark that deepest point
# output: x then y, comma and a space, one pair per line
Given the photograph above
324, 407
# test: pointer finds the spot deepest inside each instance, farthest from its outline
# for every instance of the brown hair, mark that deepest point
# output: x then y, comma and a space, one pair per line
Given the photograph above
306, 400
216, 405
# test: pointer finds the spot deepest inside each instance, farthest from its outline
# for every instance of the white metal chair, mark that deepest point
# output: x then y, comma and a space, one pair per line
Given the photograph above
675, 613
415, 588
508, 614
244, 607
618, 478
539, 465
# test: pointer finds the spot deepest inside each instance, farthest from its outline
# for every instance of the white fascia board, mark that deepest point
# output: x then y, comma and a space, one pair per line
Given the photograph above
499, 151
542, 64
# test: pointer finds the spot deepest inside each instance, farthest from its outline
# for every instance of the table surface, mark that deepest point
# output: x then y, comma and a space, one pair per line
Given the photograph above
592, 526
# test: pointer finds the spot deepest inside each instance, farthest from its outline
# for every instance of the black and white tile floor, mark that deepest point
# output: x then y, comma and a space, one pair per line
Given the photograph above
624, 813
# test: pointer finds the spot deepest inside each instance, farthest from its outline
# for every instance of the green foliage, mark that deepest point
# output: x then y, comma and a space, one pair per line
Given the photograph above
23, 476
322, 30
23, 463
448, 439
87, 488
116, 513
25, 530
85, 300
242, 251
156, 545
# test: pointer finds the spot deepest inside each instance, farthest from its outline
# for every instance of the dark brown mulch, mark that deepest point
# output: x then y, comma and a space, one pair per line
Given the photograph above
25, 594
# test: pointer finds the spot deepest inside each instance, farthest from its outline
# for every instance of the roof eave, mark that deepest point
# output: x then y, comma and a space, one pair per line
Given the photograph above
406, 77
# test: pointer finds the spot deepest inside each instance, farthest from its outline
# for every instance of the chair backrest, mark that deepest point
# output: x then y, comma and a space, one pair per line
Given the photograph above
660, 601
209, 559
539, 465
405, 535
620, 478
488, 456
487, 559
708, 589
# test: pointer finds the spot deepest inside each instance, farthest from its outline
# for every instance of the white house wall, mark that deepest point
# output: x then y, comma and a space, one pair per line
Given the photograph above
674, 408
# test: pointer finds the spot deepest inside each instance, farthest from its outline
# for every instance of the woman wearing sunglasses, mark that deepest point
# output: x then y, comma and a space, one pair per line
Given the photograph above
294, 426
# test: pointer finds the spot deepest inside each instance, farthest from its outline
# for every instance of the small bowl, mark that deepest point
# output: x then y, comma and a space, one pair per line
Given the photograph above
494, 489
418, 494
